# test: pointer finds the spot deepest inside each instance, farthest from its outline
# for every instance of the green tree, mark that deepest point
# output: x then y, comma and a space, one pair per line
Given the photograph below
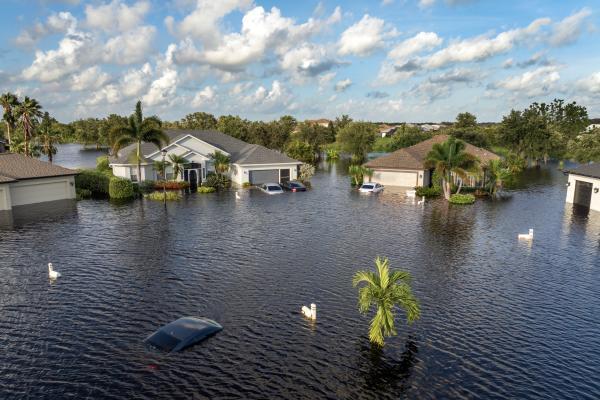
233, 126
498, 174
301, 151
48, 136
221, 162
178, 163
385, 290
198, 120
585, 147
465, 120
315, 135
357, 138
10, 104
139, 130
341, 122
450, 158
29, 111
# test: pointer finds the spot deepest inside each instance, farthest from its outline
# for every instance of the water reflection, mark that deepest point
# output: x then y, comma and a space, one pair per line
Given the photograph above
42, 213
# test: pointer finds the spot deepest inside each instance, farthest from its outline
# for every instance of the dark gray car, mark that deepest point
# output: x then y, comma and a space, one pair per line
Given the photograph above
182, 333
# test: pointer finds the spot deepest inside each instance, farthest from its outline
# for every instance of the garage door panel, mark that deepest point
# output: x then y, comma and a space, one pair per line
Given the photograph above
264, 176
35, 193
392, 178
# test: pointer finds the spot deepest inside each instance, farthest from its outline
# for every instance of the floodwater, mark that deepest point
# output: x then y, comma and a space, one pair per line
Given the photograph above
75, 155
500, 318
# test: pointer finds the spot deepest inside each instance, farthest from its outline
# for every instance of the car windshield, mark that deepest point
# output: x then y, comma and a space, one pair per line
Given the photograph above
367, 186
163, 341
274, 188
296, 185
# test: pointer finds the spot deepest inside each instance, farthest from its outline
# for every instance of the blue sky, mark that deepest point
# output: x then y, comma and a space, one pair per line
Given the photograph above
385, 60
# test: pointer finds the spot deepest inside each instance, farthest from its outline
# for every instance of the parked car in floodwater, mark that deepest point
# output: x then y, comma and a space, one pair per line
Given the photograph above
271, 188
294, 186
371, 187
182, 333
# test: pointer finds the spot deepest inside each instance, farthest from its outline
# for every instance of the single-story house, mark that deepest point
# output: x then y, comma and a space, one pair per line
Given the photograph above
406, 167
25, 180
321, 122
248, 162
386, 130
583, 187
591, 127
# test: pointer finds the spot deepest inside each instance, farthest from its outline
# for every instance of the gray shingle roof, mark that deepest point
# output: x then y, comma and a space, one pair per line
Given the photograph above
240, 151
589, 170
17, 167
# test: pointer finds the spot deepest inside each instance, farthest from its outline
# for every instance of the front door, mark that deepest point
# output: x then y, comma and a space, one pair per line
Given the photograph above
583, 193
193, 180
284, 175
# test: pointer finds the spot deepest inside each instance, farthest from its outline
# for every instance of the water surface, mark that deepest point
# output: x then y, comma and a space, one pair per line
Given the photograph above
501, 319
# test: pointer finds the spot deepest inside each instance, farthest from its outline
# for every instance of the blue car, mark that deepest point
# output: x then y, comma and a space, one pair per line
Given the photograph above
182, 333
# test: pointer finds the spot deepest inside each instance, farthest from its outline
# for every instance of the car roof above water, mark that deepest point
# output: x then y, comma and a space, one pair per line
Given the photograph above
183, 332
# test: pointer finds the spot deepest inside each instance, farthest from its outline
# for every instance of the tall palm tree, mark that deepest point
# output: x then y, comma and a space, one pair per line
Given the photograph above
221, 162
450, 158
139, 130
29, 111
386, 291
9, 103
356, 172
48, 137
177, 162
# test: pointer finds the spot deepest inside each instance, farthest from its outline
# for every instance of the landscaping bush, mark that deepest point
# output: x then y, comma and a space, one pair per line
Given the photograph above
102, 165
206, 189
434, 191
246, 185
462, 199
121, 188
83, 194
171, 185
161, 196
146, 187
94, 181
217, 181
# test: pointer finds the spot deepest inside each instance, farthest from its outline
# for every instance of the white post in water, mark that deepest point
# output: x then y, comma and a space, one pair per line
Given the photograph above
313, 311
531, 233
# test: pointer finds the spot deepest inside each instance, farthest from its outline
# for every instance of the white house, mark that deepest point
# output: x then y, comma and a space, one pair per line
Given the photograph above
406, 167
591, 127
25, 180
249, 162
583, 187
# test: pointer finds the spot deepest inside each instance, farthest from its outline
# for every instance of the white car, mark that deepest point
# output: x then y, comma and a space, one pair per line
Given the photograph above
371, 187
271, 188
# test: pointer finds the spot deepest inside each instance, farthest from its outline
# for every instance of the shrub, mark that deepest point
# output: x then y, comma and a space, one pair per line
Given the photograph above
433, 191
161, 196
121, 188
146, 186
102, 165
83, 194
462, 199
217, 181
306, 172
94, 181
171, 185
206, 189
246, 184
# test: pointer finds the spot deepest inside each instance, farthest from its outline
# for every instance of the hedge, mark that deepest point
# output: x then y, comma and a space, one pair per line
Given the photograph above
96, 182
161, 196
206, 189
434, 191
462, 199
121, 188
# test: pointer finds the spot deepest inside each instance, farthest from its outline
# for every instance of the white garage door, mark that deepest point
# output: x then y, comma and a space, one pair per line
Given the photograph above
392, 178
4, 198
25, 192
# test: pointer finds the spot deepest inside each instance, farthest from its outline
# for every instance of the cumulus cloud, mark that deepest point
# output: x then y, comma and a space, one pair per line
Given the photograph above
342, 85
269, 100
130, 47
537, 82
414, 45
569, 29
308, 60
590, 83
365, 36
89, 79
483, 47
204, 97
116, 15
132, 84
162, 90
377, 95
56, 23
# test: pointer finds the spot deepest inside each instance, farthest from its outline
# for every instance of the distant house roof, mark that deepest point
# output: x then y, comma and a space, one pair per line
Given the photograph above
15, 167
240, 151
318, 121
589, 170
413, 157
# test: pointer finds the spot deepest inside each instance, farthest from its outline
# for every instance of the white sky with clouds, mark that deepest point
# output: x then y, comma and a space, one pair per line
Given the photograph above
391, 60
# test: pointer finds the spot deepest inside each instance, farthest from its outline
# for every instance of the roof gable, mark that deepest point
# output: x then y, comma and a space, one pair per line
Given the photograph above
589, 170
18, 166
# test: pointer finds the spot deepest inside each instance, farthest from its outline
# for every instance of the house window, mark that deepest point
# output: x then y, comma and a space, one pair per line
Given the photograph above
169, 176
133, 176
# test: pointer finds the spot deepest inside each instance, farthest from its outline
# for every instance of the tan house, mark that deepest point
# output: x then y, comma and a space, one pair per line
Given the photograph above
321, 122
406, 167
25, 180
386, 130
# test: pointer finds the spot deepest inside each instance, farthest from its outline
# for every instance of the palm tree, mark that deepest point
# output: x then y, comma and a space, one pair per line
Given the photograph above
498, 173
177, 162
356, 172
368, 172
450, 158
138, 130
48, 137
29, 111
9, 103
221, 162
385, 290
161, 167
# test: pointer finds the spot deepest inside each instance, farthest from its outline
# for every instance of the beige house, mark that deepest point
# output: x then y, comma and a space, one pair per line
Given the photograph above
583, 187
406, 167
25, 180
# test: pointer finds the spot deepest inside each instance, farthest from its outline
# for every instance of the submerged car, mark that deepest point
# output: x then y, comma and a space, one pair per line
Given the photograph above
294, 186
271, 188
371, 187
182, 333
